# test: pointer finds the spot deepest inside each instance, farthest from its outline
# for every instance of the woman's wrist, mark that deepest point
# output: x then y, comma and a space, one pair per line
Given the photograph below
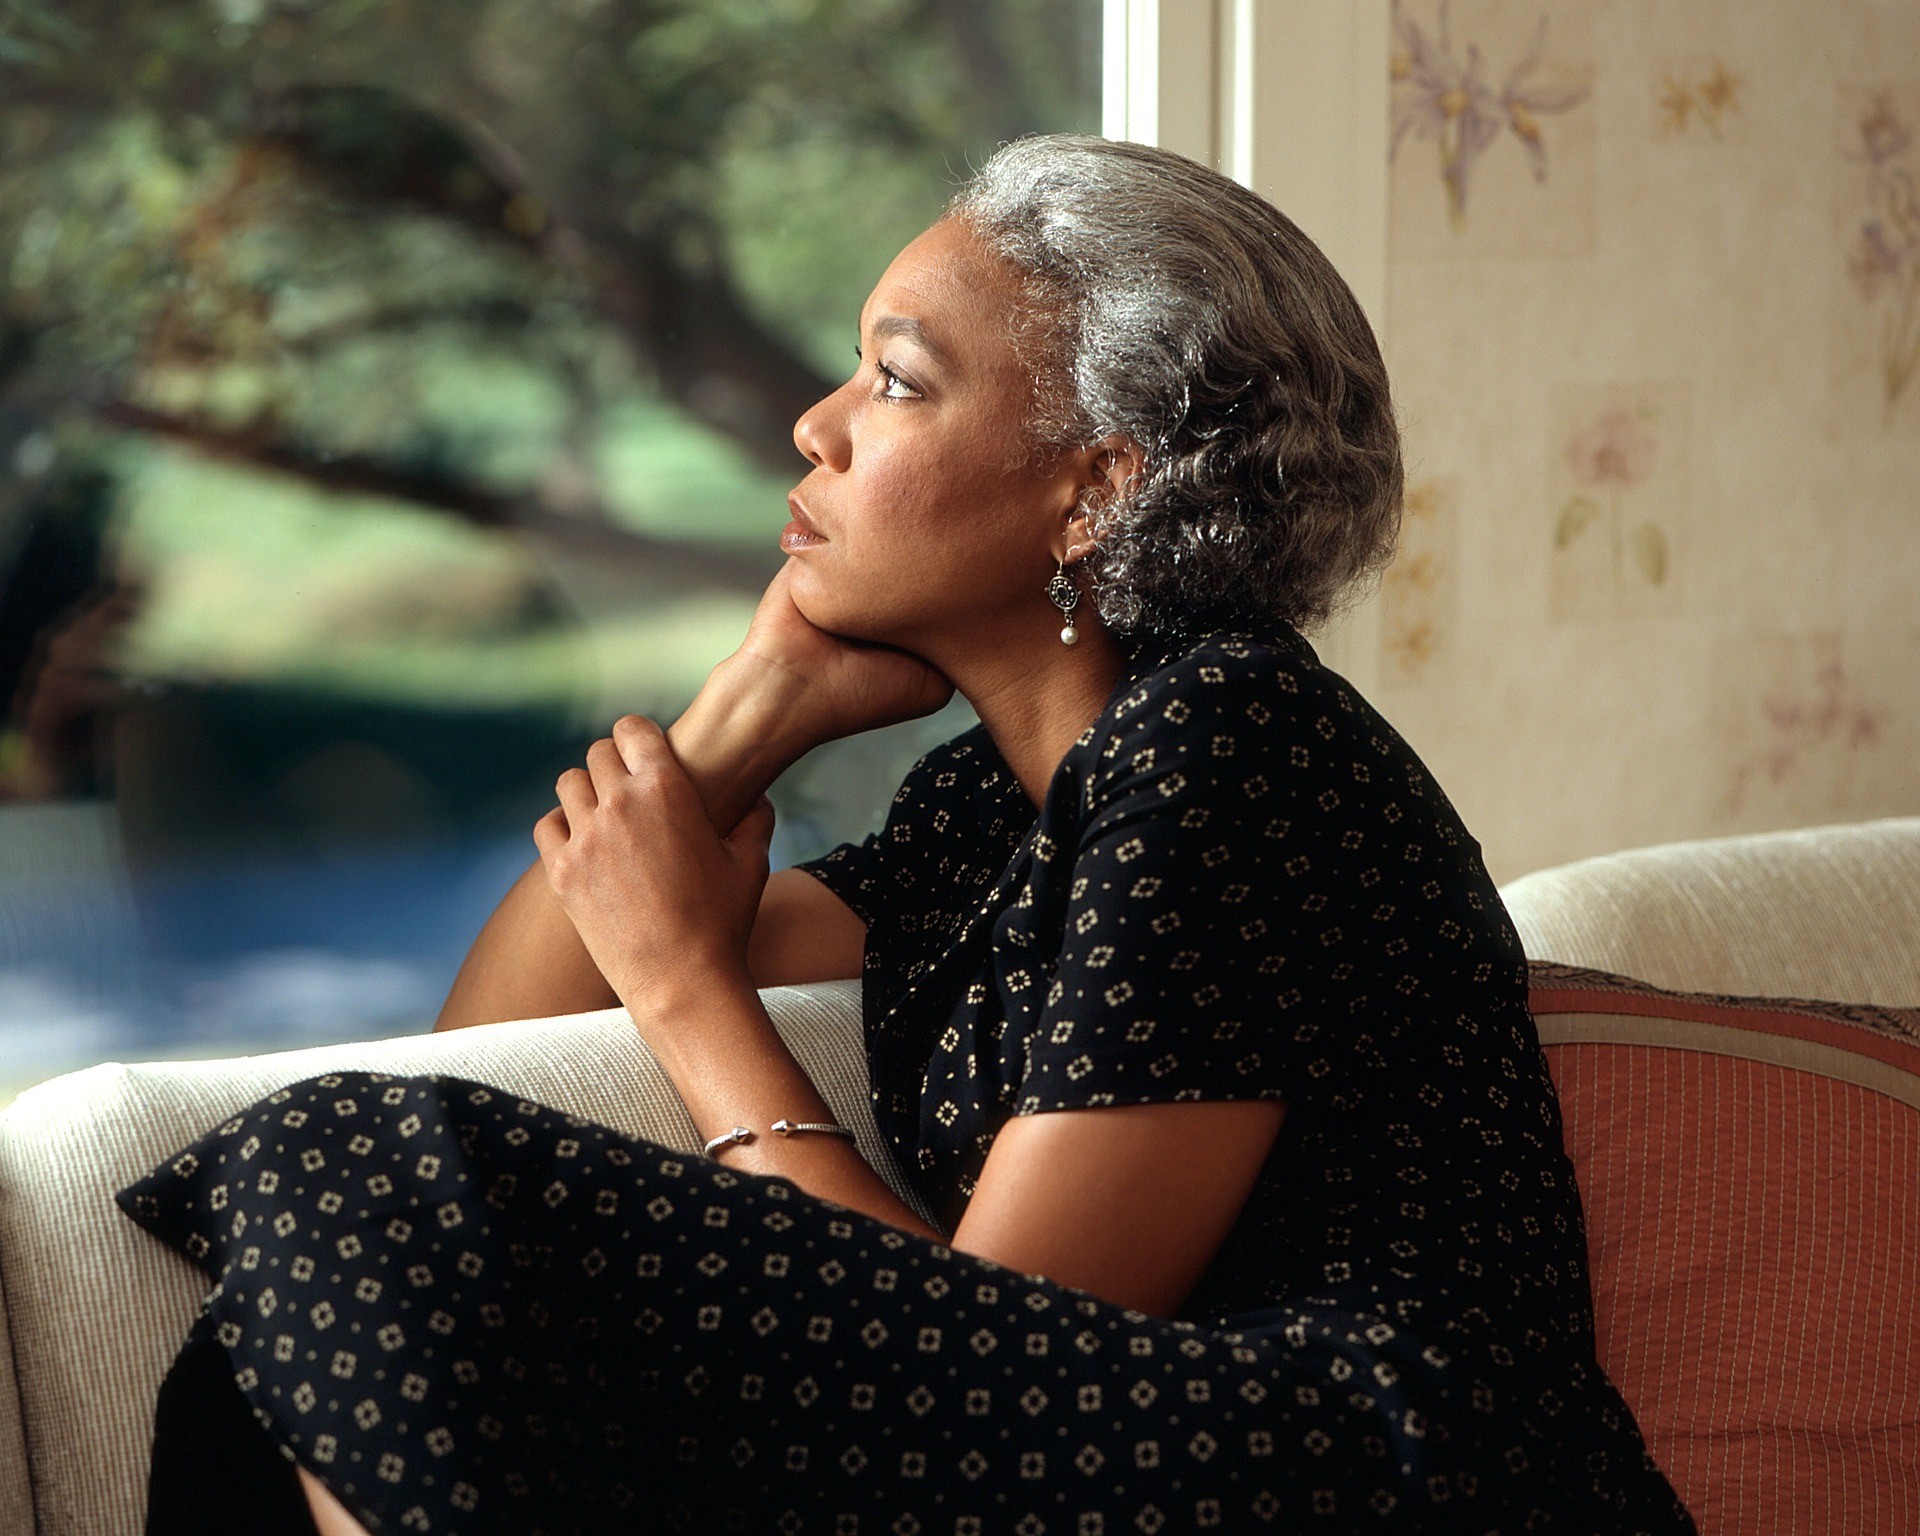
738, 735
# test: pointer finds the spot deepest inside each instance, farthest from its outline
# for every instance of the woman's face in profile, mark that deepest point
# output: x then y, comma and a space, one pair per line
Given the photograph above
934, 520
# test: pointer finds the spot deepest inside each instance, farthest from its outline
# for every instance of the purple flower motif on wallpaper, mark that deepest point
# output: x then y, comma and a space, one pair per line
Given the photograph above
1611, 455
1799, 721
1439, 97
1884, 261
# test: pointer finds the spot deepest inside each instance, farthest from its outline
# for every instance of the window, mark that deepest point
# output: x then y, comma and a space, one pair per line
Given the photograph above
391, 396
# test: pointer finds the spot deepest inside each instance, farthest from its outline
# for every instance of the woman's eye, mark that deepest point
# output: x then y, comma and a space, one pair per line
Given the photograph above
894, 381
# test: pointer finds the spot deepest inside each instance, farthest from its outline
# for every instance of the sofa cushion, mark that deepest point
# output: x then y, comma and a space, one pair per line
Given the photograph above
1750, 1174
99, 1309
1825, 912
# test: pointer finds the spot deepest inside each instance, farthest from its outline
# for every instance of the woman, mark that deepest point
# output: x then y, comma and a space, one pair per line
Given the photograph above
1190, 1007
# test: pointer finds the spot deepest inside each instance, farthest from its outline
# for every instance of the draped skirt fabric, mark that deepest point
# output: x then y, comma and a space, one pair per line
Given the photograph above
467, 1313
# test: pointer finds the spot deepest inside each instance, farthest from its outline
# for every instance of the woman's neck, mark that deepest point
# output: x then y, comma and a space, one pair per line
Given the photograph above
1034, 700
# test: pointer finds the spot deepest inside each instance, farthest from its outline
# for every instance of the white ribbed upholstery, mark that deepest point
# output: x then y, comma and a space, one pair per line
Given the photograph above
1831, 913
16, 1487
98, 1308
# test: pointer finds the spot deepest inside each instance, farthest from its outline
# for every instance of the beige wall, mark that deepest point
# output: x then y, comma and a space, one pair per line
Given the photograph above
1663, 538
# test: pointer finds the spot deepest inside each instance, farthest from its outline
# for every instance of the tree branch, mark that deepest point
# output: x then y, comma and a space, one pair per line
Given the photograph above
666, 562
712, 357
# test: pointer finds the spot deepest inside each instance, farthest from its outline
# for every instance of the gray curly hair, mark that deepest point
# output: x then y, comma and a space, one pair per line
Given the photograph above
1167, 303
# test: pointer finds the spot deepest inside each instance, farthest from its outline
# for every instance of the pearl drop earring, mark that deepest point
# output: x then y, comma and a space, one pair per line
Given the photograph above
1066, 597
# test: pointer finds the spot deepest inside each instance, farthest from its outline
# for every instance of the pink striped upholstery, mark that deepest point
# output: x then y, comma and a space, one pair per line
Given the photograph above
1750, 1173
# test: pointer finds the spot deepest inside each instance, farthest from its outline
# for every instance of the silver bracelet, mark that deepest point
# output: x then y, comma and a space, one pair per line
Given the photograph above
779, 1128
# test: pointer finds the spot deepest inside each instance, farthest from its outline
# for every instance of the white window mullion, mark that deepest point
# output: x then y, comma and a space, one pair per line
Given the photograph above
1160, 66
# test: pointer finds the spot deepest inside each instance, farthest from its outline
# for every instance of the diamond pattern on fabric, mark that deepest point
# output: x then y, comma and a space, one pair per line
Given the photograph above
473, 1313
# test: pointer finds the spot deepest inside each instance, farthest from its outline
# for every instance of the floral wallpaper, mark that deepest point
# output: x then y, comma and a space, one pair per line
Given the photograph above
1653, 320
1699, 95
1877, 310
1490, 152
1618, 499
1441, 95
1418, 609
1814, 729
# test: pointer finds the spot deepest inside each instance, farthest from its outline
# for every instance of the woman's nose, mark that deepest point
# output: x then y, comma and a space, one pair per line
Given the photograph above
821, 433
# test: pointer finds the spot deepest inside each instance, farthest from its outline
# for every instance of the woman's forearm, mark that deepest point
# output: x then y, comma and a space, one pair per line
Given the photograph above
712, 1036
526, 963
734, 740
741, 732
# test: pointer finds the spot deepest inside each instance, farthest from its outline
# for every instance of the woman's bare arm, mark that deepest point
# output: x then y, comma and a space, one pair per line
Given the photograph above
1128, 1201
734, 740
788, 688
803, 932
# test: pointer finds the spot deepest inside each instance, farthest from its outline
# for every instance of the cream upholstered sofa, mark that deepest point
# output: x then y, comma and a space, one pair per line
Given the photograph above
93, 1309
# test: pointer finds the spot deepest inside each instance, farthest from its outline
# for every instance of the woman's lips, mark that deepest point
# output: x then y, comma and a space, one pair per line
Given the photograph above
799, 534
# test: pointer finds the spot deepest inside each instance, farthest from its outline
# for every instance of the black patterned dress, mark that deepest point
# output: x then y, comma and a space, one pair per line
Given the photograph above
468, 1312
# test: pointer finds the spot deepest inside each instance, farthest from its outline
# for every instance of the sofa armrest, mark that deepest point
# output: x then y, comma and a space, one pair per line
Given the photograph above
99, 1309
16, 1486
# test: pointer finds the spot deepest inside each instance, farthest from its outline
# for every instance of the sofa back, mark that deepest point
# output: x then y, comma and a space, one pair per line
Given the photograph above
1749, 1166
1823, 912
1748, 1185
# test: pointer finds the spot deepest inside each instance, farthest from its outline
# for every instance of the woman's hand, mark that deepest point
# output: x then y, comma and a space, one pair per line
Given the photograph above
833, 686
661, 901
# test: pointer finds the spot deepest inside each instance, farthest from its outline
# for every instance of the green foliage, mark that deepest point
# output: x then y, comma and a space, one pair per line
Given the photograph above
32, 33
380, 272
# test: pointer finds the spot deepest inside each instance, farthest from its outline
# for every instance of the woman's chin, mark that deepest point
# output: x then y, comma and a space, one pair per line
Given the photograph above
817, 602
848, 621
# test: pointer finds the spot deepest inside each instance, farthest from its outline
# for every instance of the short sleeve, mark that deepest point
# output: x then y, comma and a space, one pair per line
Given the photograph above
861, 874
1212, 911
949, 825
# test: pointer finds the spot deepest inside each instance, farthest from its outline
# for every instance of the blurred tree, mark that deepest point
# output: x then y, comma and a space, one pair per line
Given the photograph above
247, 225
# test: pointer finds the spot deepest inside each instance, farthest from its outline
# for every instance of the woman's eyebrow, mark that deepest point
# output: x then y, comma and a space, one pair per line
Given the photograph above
913, 330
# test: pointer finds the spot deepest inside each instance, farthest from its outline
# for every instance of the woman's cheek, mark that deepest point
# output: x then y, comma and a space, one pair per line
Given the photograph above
902, 497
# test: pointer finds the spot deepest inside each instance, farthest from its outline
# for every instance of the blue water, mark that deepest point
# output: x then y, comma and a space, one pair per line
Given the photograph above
105, 963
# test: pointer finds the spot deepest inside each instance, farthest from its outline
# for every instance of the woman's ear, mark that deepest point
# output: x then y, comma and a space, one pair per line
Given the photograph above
1115, 463
1119, 461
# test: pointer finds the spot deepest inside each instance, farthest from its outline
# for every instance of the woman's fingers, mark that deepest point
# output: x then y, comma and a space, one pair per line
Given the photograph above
755, 829
577, 797
607, 767
637, 756
550, 833
655, 766
613, 761
639, 741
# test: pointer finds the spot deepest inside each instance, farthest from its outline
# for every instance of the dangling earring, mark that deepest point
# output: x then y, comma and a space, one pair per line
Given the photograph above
1066, 597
